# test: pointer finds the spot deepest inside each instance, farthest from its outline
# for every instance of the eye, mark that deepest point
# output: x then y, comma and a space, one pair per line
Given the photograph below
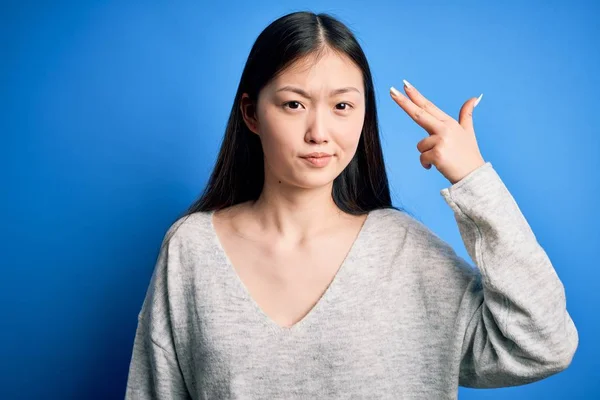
347, 106
291, 103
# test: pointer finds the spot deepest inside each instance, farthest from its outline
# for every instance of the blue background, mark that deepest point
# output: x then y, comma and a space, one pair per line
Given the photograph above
112, 114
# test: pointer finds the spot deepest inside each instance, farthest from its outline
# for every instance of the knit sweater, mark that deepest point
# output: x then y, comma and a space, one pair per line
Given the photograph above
405, 317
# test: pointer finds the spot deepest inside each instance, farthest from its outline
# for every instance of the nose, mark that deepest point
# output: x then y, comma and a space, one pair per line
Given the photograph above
317, 129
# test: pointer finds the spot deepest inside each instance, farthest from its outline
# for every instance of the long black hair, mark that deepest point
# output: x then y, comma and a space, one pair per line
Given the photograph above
238, 175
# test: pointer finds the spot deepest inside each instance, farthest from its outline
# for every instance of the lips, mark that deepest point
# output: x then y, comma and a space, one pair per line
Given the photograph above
317, 159
316, 155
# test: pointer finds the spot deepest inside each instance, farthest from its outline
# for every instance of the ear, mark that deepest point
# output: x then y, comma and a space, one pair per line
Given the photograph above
248, 110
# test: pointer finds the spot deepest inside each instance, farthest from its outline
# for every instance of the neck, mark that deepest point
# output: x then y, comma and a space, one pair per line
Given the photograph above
295, 214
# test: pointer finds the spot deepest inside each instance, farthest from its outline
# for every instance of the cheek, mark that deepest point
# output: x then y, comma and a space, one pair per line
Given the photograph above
269, 128
348, 142
354, 125
277, 143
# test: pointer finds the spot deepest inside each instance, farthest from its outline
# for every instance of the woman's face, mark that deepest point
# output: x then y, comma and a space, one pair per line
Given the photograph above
310, 108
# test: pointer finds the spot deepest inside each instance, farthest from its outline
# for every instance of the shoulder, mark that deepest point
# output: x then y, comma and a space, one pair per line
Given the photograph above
424, 252
189, 228
388, 229
391, 219
419, 238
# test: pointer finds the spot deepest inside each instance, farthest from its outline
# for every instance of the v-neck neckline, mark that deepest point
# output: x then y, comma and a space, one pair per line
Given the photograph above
344, 269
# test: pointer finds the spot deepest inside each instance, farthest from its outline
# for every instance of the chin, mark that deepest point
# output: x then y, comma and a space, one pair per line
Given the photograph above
314, 181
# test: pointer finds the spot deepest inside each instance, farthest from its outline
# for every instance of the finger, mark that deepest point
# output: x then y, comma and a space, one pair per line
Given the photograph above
423, 102
466, 114
429, 158
428, 143
430, 123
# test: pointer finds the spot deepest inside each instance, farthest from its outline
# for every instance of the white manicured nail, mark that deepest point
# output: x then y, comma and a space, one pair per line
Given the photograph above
395, 91
408, 85
478, 100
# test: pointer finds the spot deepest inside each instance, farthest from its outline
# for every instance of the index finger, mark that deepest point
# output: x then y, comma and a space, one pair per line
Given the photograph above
418, 114
424, 103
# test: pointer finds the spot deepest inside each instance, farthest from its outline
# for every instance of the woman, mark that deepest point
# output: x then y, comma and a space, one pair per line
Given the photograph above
294, 277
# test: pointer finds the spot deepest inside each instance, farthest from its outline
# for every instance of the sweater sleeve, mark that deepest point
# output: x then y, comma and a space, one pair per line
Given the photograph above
516, 326
154, 371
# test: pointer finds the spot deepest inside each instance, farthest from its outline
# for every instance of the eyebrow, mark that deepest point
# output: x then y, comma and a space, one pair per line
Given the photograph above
306, 95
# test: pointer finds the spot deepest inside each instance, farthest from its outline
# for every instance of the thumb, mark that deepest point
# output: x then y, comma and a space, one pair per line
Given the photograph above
465, 118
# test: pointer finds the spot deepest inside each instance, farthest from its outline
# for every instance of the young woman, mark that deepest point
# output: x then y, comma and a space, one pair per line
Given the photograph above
294, 277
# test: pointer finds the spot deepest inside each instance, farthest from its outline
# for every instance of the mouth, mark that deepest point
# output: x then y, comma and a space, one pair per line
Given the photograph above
316, 155
318, 159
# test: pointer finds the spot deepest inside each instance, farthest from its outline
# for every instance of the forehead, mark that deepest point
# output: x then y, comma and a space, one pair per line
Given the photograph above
329, 70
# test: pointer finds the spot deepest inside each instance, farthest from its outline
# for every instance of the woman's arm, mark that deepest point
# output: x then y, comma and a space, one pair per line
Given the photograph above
154, 371
513, 311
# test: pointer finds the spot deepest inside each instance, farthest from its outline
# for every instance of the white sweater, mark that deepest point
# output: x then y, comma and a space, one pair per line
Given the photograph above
404, 318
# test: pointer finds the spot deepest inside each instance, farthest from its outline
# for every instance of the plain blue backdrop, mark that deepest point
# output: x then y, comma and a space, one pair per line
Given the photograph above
112, 114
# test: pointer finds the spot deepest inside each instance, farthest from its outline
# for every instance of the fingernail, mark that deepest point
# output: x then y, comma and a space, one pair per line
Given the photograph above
478, 100
408, 85
395, 91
